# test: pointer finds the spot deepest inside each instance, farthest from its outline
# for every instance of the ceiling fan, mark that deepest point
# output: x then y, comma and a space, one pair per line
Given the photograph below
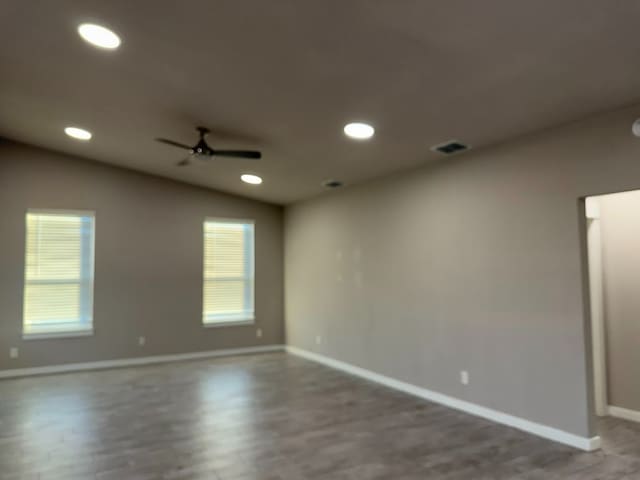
203, 151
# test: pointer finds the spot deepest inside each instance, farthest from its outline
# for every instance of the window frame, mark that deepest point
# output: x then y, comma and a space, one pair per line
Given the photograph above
86, 327
241, 320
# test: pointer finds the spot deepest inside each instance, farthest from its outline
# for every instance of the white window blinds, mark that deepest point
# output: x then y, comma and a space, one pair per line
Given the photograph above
228, 271
58, 284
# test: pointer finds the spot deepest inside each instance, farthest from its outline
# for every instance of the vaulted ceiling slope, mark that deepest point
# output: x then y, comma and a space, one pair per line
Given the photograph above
284, 77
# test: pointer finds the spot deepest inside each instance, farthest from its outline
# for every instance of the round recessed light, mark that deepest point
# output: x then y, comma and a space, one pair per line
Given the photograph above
78, 133
252, 179
99, 36
359, 131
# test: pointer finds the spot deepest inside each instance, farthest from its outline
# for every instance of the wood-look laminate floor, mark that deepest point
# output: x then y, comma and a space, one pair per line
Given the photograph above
269, 417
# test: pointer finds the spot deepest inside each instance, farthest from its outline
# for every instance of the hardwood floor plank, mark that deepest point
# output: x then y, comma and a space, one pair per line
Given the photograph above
270, 417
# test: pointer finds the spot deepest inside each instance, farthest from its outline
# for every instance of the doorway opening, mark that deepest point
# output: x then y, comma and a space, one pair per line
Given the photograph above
613, 256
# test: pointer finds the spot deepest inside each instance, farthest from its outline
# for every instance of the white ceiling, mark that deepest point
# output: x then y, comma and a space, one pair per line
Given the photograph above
284, 76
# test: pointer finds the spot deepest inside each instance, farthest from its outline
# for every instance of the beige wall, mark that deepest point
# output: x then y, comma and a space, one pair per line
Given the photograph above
475, 263
620, 235
148, 259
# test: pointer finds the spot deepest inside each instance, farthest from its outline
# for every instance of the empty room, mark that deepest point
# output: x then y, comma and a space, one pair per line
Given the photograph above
319, 240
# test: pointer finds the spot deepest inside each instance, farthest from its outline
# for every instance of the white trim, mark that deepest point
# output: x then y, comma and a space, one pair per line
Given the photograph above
247, 221
247, 316
60, 334
230, 323
596, 296
592, 208
624, 413
83, 327
582, 443
61, 211
128, 362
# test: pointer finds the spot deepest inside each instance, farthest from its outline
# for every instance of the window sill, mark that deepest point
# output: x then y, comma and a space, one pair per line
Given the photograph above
230, 323
49, 335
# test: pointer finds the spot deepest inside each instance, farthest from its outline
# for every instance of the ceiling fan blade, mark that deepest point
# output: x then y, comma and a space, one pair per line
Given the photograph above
175, 144
238, 153
184, 162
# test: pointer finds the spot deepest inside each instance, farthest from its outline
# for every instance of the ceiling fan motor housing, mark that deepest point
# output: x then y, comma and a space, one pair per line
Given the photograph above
202, 148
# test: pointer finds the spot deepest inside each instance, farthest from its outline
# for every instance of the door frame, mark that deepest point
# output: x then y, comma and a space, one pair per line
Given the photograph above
596, 305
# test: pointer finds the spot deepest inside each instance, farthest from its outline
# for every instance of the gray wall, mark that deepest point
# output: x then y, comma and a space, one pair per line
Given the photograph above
475, 263
620, 232
148, 259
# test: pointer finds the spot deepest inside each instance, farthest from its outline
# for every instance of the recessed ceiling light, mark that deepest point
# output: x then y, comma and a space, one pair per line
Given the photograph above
78, 133
359, 131
252, 179
99, 36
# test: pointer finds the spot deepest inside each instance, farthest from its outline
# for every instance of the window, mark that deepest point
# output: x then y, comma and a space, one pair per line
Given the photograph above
58, 279
228, 272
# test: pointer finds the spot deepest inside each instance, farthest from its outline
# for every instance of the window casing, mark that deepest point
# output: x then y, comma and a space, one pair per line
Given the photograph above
58, 280
228, 287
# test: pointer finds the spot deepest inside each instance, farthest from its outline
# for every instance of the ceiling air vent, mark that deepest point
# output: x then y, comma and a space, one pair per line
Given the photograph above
450, 147
332, 184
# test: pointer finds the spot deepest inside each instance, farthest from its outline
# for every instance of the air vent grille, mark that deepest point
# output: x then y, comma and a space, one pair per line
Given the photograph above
450, 147
332, 183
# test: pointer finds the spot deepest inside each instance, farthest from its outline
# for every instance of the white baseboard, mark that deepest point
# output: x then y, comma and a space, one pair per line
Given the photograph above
624, 413
129, 362
582, 443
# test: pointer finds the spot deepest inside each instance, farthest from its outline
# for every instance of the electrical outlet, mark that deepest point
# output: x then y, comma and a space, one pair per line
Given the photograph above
13, 352
318, 339
464, 377
142, 341
259, 333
